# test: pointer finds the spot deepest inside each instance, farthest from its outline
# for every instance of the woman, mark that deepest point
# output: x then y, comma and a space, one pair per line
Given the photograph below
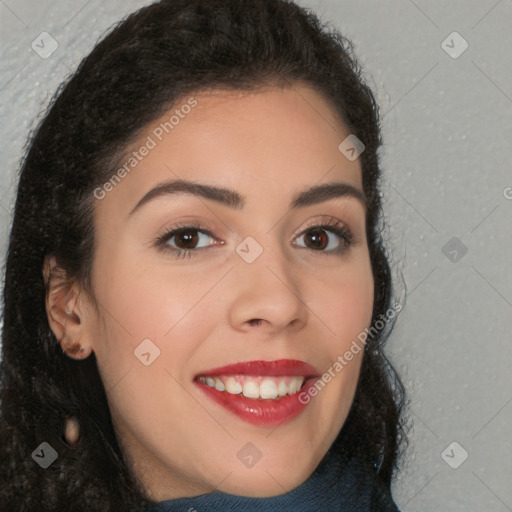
197, 293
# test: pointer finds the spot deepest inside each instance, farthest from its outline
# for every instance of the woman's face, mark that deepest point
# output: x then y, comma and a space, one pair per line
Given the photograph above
259, 283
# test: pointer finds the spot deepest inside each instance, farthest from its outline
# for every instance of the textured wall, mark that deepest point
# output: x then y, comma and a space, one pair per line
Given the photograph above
447, 124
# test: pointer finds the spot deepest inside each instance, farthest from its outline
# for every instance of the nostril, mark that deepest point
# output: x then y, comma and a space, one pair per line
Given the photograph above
255, 321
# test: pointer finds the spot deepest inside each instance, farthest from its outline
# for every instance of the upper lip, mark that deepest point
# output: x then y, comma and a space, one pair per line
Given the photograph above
278, 368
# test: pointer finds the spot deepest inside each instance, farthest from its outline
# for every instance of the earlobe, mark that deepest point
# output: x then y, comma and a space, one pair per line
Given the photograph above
63, 310
75, 349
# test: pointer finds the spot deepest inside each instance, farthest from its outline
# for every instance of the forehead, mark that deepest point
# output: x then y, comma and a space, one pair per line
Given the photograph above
264, 141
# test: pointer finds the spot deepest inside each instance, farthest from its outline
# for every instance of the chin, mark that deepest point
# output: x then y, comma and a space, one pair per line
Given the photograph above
266, 480
263, 485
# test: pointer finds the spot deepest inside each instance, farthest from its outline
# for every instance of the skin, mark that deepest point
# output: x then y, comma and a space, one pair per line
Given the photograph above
267, 145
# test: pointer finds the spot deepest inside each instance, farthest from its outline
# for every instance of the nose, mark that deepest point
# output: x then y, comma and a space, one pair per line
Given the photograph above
268, 295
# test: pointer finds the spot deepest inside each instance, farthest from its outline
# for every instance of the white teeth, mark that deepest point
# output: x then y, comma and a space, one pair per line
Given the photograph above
233, 387
266, 388
293, 386
251, 389
282, 388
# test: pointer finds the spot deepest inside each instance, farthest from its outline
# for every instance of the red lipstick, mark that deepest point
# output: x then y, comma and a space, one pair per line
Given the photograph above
284, 374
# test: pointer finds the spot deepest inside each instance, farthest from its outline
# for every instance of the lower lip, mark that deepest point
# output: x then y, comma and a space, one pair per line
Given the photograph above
264, 413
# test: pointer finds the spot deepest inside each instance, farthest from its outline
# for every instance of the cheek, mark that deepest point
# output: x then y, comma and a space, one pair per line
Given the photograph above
145, 313
344, 302
137, 304
146, 302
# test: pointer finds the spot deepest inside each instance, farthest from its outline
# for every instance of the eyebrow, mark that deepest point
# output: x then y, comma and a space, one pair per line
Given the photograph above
234, 200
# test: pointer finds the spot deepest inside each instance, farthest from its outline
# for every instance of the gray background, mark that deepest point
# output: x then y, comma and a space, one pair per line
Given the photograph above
447, 128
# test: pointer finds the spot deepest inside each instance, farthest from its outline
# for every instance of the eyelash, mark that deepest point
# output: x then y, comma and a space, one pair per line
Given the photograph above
329, 225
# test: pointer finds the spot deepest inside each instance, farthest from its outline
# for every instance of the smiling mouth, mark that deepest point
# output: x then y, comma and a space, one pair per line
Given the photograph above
264, 393
255, 387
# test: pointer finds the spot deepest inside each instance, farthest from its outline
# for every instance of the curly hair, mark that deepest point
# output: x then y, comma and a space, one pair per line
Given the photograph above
143, 66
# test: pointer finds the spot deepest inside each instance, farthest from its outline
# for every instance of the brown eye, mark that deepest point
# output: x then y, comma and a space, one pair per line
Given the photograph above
186, 238
326, 239
185, 241
318, 237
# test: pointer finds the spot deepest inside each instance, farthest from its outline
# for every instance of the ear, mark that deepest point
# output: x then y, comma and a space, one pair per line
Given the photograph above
65, 311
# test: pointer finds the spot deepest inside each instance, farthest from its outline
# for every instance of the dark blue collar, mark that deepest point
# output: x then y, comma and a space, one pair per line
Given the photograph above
339, 484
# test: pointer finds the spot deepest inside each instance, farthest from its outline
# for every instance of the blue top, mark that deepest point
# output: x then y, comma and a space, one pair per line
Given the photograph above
339, 484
